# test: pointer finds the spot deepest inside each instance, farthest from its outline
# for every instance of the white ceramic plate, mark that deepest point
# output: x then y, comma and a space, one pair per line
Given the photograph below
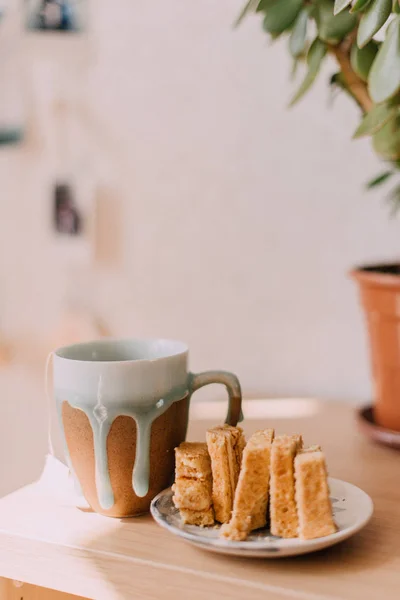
352, 509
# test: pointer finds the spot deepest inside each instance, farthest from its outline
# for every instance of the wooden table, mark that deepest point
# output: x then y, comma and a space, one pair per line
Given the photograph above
45, 541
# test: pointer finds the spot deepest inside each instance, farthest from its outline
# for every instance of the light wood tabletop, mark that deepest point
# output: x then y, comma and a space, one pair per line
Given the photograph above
46, 541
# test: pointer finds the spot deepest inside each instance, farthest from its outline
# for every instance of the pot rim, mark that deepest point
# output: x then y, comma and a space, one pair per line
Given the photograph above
375, 275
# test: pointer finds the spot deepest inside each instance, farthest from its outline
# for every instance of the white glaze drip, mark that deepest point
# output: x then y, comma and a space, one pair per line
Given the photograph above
101, 420
141, 470
101, 424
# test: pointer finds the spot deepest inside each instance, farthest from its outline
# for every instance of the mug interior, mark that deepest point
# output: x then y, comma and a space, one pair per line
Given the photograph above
110, 350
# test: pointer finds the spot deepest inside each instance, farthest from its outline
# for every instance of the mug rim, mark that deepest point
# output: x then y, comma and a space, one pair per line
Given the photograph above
178, 348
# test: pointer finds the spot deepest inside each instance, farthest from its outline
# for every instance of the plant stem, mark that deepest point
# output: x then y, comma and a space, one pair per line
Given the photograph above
356, 86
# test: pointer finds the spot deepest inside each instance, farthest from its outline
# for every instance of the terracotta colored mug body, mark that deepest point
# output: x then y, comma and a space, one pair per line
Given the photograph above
123, 407
380, 297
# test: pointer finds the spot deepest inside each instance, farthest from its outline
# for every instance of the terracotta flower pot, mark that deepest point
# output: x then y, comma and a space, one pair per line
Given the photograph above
379, 287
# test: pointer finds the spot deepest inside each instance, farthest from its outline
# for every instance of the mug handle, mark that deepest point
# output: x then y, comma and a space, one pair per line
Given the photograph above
230, 381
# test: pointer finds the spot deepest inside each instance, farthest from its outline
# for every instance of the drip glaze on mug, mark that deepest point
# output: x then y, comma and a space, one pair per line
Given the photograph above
101, 418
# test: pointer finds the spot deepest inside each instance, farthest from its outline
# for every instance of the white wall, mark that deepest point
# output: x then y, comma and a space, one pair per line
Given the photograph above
240, 219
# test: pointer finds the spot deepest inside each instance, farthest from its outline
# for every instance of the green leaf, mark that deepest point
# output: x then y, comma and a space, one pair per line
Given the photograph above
340, 5
336, 84
396, 7
374, 120
384, 77
332, 29
315, 57
359, 5
372, 20
250, 7
295, 65
281, 14
386, 141
362, 58
275, 36
298, 37
337, 80
263, 5
394, 199
379, 179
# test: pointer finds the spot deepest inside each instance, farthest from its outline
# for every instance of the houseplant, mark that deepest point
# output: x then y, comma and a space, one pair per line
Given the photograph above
364, 38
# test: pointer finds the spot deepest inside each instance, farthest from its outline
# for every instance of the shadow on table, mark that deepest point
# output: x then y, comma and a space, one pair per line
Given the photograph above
165, 565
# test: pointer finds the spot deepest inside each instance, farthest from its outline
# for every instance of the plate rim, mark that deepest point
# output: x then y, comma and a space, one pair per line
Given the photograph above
246, 547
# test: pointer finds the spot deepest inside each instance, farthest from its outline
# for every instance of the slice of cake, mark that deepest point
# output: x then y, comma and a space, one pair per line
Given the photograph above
193, 484
202, 518
283, 512
192, 494
315, 448
192, 461
251, 496
225, 446
312, 495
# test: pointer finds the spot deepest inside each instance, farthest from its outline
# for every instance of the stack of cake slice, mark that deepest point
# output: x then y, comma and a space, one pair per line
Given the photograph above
283, 510
312, 494
225, 446
251, 497
235, 482
193, 484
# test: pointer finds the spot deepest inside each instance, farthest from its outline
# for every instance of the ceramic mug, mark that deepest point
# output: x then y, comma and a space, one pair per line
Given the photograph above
123, 406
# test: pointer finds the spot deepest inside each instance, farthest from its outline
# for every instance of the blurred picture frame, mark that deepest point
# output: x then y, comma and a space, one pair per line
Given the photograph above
73, 221
64, 16
66, 215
